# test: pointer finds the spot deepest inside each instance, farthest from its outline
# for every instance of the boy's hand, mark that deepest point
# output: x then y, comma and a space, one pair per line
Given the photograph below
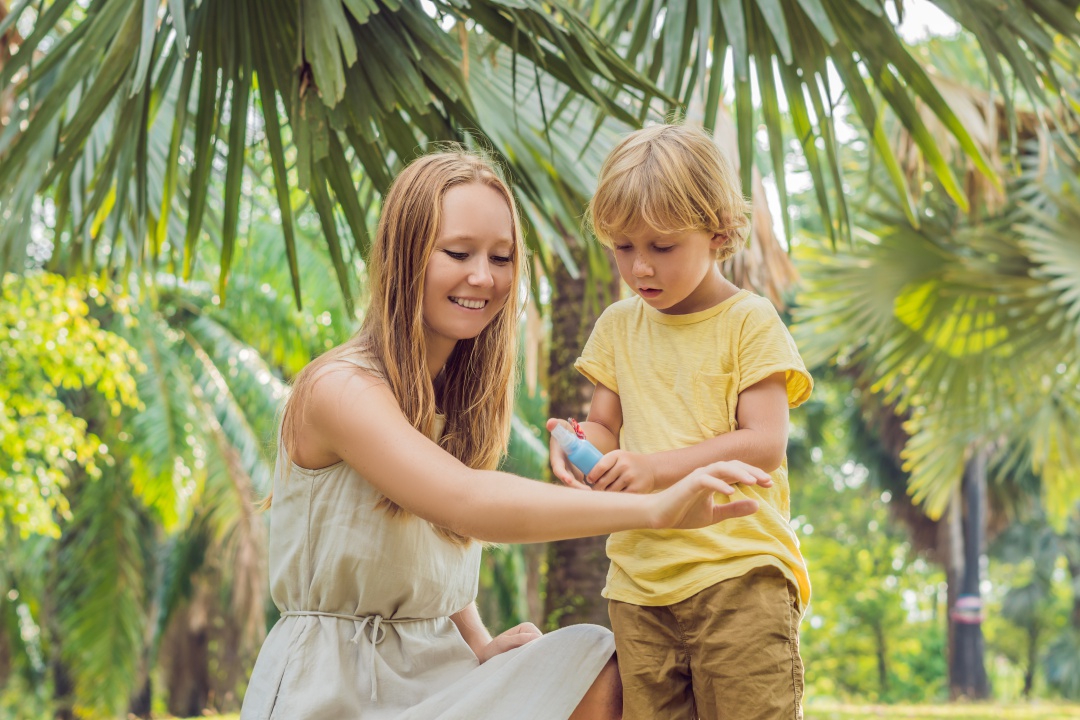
560, 464
624, 471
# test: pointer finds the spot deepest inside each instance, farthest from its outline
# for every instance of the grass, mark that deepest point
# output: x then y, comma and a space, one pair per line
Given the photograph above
958, 711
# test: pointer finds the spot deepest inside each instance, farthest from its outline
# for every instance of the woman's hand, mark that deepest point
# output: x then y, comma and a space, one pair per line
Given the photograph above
512, 638
690, 502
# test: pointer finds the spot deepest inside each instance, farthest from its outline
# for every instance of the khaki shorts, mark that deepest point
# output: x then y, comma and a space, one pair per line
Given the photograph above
731, 652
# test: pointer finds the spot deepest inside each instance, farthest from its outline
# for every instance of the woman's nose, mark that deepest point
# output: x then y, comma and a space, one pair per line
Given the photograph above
481, 275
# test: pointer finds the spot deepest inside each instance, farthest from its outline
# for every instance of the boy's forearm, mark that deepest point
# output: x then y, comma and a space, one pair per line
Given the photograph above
601, 436
754, 447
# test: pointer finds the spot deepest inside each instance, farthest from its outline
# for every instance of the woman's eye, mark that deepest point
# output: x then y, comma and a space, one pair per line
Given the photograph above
501, 259
456, 255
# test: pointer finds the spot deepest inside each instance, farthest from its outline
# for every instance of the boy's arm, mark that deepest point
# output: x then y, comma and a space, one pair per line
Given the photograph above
761, 440
605, 419
601, 429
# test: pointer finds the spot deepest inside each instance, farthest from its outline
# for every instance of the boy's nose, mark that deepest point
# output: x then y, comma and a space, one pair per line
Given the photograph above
642, 268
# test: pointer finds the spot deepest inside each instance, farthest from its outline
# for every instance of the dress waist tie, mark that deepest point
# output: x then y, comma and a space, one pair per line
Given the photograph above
375, 622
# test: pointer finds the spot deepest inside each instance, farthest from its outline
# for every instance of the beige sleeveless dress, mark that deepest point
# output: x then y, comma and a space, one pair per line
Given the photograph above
365, 632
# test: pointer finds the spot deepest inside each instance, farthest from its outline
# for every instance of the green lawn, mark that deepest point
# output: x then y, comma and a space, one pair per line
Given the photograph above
821, 711
1041, 711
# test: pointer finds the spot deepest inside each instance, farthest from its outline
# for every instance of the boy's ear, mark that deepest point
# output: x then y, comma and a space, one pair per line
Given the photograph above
718, 240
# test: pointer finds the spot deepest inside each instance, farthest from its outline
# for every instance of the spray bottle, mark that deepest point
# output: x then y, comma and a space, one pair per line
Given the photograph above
581, 453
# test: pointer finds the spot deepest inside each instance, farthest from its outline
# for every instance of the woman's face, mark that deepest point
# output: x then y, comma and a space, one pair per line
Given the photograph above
471, 270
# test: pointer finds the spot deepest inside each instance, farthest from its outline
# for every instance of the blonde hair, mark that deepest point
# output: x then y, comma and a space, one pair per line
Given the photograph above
478, 378
670, 178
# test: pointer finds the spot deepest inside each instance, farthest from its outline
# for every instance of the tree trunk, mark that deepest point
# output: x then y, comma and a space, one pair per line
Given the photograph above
967, 670
1032, 660
5, 641
185, 655
882, 659
1072, 558
576, 568
535, 586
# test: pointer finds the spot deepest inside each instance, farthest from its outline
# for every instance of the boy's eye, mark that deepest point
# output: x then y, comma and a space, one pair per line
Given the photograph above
456, 255
623, 247
501, 259
663, 248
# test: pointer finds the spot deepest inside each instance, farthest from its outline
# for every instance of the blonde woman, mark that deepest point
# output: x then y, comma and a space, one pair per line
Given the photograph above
385, 488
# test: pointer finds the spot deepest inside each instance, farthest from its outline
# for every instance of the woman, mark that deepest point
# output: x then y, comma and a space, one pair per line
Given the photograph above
386, 480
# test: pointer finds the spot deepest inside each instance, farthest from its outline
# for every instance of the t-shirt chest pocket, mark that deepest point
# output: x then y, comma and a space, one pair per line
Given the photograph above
712, 410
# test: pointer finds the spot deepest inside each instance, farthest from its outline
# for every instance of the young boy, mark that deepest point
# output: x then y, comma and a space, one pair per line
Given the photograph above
689, 371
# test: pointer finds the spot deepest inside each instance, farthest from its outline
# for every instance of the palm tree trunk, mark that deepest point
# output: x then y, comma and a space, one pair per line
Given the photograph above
1072, 559
882, 658
576, 568
1032, 660
186, 656
967, 669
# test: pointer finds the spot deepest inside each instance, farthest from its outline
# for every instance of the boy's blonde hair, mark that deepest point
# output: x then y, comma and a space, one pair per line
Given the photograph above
670, 178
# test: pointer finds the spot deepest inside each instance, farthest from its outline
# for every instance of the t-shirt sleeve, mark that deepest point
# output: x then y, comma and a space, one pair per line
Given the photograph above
766, 347
597, 361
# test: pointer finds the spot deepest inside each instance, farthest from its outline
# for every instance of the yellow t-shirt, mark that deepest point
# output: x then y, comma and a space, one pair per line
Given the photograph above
678, 378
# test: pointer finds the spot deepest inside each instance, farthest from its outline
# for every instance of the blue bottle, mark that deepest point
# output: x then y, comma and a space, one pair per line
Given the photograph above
582, 453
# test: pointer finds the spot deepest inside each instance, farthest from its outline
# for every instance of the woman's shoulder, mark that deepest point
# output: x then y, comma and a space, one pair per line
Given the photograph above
345, 374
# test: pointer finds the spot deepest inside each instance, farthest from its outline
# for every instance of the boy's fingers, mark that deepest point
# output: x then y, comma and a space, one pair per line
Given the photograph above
605, 481
600, 470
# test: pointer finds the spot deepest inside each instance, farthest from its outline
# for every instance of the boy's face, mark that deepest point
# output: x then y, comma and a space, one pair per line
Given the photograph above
675, 273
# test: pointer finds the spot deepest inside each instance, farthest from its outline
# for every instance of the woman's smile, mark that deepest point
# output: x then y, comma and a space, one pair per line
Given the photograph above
474, 304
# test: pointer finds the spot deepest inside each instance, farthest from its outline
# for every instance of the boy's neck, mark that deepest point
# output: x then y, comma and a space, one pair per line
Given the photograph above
713, 289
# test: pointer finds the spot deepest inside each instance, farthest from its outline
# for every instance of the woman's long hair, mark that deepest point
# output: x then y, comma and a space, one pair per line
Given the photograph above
478, 380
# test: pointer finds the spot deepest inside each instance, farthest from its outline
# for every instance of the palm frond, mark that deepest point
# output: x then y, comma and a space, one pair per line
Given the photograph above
970, 327
790, 51
100, 595
122, 61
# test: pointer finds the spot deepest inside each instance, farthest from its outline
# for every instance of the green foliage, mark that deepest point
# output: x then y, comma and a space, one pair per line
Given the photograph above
973, 711
875, 626
50, 349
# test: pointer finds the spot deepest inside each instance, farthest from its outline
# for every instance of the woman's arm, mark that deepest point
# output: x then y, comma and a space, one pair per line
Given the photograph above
355, 417
479, 639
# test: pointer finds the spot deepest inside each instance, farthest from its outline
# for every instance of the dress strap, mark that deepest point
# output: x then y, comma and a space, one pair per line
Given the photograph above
375, 622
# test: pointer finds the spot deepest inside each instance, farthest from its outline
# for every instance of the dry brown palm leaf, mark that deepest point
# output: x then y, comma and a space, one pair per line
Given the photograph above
983, 115
9, 39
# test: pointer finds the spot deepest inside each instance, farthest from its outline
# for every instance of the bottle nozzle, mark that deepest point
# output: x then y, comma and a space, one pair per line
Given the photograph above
564, 437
